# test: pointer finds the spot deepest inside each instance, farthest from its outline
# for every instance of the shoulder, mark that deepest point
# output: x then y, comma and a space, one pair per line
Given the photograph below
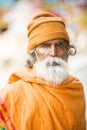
74, 81
18, 98
74, 84
16, 89
18, 94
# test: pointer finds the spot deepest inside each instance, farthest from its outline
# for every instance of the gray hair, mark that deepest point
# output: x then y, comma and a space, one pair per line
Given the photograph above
31, 58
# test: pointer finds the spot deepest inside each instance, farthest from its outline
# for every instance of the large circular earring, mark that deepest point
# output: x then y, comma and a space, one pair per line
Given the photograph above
72, 50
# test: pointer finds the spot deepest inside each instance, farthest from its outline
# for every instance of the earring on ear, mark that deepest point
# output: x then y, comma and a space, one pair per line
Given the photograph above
72, 50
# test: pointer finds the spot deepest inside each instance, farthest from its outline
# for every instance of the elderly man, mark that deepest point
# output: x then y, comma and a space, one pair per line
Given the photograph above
42, 95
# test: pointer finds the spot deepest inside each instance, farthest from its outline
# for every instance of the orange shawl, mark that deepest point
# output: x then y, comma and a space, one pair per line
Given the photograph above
30, 103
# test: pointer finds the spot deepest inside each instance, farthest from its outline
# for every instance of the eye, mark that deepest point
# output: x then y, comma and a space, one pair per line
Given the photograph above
44, 45
60, 45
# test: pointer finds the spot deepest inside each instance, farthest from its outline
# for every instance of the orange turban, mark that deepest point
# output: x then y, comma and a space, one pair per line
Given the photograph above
44, 27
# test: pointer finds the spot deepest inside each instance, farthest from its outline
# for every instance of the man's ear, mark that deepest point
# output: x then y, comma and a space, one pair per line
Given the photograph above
72, 50
31, 59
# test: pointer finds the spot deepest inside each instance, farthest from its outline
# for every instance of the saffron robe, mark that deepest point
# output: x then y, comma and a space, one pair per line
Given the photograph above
31, 103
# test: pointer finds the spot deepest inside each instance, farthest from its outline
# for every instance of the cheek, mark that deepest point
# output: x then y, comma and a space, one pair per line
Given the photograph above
62, 53
42, 53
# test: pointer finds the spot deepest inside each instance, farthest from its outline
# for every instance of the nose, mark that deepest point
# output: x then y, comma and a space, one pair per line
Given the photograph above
53, 50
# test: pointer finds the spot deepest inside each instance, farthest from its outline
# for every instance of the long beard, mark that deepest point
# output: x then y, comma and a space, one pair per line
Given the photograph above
52, 69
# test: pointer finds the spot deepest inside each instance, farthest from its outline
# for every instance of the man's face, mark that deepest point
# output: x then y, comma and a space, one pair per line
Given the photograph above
53, 48
51, 61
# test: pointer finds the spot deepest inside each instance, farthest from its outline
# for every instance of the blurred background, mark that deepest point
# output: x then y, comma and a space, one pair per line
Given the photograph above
14, 18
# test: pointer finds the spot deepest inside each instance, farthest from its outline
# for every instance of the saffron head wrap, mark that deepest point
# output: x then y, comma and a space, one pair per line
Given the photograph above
44, 27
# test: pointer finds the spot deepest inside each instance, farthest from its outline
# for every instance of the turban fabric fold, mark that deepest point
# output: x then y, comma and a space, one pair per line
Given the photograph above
44, 27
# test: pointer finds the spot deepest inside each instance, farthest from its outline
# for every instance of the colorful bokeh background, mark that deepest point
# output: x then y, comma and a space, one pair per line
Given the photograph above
14, 18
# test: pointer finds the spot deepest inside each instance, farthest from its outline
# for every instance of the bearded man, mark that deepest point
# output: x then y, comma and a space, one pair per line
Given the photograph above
42, 95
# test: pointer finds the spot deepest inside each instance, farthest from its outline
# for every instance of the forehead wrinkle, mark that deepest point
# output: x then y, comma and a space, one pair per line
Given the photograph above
53, 41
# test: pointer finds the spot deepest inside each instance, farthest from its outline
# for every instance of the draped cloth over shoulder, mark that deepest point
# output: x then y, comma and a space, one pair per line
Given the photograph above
33, 104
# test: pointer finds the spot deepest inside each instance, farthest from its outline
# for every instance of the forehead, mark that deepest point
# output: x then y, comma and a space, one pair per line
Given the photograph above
54, 41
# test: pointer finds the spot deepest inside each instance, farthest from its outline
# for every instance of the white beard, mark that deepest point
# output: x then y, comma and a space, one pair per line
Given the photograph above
52, 69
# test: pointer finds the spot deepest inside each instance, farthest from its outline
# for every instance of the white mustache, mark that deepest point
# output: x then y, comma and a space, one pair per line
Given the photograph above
54, 61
